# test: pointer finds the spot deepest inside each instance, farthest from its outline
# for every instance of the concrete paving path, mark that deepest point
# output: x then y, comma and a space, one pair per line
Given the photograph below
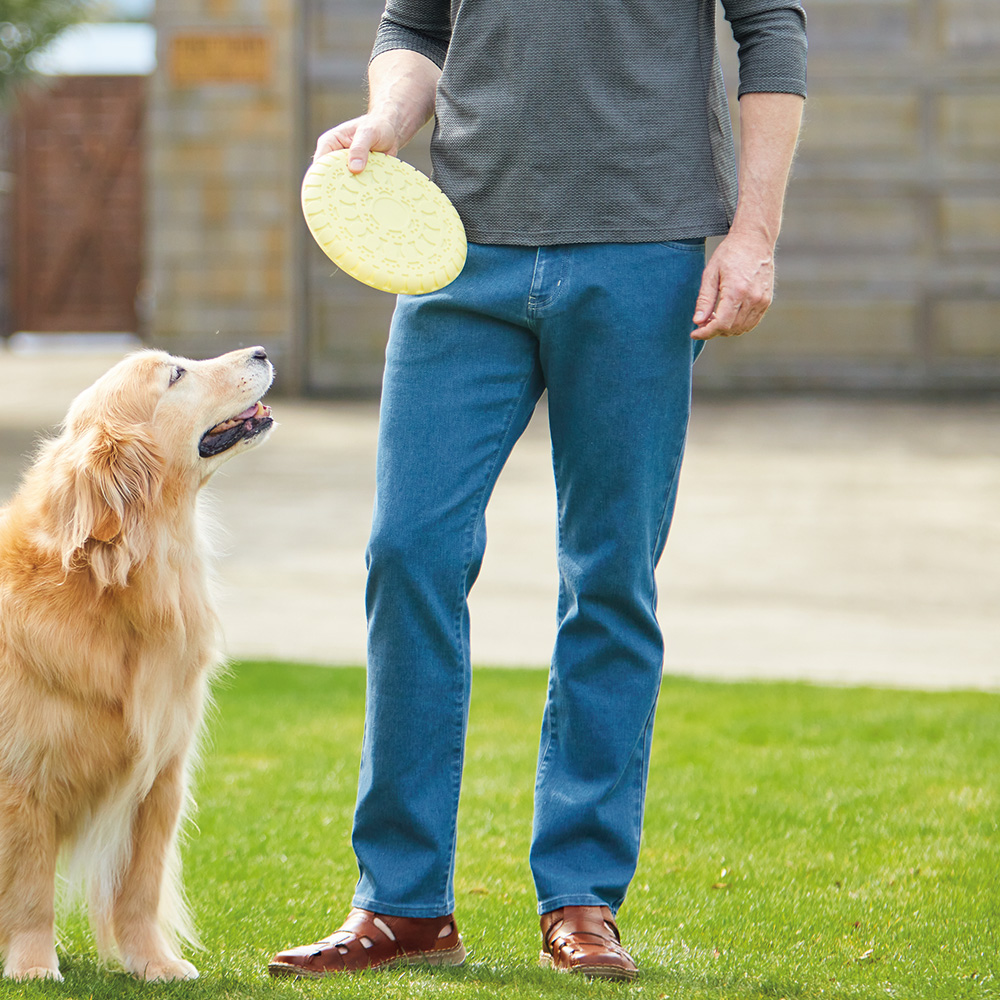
853, 542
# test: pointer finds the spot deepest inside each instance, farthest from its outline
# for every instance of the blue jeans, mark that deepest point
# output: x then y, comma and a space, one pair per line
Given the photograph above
605, 329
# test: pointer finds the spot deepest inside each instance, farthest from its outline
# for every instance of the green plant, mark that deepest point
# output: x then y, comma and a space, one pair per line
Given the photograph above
26, 27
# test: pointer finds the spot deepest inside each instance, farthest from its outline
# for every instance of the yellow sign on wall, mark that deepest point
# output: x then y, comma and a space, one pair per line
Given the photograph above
219, 57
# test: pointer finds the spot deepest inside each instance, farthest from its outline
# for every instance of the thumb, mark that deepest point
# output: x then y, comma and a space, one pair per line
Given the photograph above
357, 155
373, 133
708, 295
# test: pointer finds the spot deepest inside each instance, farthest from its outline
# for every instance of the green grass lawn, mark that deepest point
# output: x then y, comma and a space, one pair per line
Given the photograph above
800, 842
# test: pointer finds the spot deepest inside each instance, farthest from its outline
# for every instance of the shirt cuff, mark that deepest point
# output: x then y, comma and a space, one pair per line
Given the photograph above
772, 51
392, 35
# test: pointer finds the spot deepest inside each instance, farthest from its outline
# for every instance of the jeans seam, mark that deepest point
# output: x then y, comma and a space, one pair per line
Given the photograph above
470, 532
544, 751
645, 749
671, 489
534, 300
484, 492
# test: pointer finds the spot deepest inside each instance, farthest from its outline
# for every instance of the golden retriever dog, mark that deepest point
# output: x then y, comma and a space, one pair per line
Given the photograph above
108, 639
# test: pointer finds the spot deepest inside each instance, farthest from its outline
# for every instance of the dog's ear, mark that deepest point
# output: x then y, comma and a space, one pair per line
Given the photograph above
118, 478
115, 477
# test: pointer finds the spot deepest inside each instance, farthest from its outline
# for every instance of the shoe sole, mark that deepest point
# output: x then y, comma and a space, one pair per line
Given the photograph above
589, 971
446, 957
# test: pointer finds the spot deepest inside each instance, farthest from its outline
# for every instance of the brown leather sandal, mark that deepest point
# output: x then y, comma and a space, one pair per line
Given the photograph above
585, 940
369, 940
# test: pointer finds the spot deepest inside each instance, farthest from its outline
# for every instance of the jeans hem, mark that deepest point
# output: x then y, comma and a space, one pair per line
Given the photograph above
395, 910
583, 899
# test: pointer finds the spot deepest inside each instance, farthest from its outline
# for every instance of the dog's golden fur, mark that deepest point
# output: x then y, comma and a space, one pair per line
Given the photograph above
108, 638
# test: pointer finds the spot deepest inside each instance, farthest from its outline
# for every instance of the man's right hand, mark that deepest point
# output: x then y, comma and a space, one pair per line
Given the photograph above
360, 136
401, 87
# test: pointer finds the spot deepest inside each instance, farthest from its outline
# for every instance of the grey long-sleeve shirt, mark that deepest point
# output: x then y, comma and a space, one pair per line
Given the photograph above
587, 121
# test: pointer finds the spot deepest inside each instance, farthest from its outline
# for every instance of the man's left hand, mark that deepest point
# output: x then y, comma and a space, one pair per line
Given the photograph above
736, 288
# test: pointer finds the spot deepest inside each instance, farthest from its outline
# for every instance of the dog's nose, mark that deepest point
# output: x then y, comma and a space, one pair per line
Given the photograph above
258, 354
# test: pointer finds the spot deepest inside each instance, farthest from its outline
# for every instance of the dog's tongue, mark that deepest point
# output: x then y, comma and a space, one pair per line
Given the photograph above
257, 410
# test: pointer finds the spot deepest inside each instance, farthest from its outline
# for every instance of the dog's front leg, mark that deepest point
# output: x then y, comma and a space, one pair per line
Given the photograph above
136, 912
28, 849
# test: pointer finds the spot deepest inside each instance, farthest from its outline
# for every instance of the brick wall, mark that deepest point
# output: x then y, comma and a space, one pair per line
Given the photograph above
223, 175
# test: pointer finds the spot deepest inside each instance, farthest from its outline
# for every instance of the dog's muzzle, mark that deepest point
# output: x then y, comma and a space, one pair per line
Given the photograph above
248, 424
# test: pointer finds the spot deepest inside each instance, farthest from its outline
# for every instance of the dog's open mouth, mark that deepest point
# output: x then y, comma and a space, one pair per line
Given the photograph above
243, 426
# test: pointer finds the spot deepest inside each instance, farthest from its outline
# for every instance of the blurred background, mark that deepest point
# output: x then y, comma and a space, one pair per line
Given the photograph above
841, 510
150, 185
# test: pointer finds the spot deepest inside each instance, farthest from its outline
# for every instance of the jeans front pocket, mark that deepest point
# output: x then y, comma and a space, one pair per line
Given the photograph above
691, 246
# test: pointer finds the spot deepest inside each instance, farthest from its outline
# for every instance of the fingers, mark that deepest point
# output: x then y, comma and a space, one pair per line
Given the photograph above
733, 315
359, 136
367, 136
335, 138
708, 294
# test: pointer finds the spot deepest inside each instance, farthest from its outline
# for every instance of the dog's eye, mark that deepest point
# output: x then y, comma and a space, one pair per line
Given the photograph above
175, 373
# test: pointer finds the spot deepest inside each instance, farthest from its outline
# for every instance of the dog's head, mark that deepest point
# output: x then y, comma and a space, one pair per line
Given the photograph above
148, 433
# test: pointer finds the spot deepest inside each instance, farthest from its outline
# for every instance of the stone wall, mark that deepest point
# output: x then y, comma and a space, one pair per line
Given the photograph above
889, 262
346, 323
889, 258
223, 217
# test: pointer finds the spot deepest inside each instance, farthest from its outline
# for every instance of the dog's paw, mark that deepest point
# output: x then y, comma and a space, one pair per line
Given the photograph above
35, 972
167, 970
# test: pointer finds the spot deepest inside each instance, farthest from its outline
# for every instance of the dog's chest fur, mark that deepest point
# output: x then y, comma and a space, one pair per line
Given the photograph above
135, 674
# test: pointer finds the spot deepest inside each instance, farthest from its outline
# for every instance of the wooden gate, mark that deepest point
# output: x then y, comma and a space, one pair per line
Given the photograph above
78, 205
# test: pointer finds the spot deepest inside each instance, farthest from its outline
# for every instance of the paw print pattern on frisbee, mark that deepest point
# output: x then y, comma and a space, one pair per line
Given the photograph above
389, 226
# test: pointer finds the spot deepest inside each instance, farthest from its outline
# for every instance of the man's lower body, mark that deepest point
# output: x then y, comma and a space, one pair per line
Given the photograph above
605, 329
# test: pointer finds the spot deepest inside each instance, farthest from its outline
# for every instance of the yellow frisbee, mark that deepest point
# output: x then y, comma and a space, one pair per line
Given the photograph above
390, 226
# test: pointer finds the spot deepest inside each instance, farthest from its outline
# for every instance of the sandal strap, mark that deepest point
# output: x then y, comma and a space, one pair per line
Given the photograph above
405, 934
367, 940
584, 938
595, 922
